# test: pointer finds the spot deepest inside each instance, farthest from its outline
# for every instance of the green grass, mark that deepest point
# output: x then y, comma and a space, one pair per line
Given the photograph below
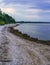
2, 22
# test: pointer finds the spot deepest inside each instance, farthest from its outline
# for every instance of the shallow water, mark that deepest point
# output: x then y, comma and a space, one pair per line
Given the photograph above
36, 30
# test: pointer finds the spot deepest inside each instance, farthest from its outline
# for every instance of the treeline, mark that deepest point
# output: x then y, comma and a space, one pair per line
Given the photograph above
5, 18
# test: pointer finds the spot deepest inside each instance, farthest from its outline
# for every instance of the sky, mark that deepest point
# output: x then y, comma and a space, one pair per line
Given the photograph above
27, 10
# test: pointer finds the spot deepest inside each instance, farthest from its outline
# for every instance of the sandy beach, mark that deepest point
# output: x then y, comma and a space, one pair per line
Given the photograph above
17, 51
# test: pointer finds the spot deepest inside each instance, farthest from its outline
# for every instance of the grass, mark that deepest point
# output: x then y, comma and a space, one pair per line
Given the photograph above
25, 36
2, 22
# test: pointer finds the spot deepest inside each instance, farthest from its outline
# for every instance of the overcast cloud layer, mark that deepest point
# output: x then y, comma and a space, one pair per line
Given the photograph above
27, 10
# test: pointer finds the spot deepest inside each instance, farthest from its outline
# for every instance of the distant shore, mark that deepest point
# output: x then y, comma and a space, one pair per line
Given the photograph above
25, 36
30, 22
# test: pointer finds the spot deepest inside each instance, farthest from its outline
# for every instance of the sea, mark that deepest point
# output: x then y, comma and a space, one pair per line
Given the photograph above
35, 30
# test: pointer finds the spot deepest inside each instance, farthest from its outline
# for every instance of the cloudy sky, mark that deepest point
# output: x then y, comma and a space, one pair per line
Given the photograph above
27, 10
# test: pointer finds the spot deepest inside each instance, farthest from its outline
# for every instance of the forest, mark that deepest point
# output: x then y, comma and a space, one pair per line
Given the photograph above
6, 19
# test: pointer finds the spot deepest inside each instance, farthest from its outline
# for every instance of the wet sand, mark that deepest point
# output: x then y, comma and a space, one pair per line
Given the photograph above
17, 51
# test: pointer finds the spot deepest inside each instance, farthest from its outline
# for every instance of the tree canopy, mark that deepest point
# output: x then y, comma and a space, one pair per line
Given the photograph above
5, 18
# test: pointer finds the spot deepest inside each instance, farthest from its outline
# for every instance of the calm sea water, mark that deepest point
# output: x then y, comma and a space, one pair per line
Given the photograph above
36, 30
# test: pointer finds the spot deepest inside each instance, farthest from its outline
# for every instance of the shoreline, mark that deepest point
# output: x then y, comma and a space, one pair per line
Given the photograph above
25, 36
20, 51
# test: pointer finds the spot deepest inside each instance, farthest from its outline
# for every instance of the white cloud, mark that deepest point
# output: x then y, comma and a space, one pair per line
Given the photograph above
8, 10
32, 16
44, 11
33, 11
1, 0
22, 12
47, 11
47, 1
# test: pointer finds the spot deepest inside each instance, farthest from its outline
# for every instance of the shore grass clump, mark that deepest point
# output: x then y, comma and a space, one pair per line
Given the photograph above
27, 37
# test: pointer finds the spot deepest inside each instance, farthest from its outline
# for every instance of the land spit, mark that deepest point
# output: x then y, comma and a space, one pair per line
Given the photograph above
15, 50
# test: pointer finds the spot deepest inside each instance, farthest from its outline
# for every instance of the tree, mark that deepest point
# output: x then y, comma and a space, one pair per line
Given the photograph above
5, 18
0, 11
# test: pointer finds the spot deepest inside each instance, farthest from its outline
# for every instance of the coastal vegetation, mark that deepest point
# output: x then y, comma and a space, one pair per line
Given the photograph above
25, 36
5, 18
